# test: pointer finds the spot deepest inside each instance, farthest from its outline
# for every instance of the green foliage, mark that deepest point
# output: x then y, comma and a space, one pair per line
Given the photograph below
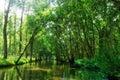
108, 63
23, 61
87, 74
86, 63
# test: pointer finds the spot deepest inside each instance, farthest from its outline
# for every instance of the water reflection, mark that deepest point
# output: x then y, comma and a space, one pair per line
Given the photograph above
48, 71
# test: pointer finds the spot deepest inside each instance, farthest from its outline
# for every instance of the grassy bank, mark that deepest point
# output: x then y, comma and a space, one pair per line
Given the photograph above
11, 61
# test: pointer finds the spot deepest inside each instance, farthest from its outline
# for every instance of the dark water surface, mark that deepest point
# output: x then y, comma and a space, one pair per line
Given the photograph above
48, 71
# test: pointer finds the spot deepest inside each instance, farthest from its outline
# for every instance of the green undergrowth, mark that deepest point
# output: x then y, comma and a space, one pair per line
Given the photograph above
86, 63
11, 61
101, 65
6, 62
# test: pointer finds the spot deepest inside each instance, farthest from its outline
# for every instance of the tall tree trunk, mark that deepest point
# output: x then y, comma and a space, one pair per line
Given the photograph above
5, 30
15, 35
71, 60
21, 22
26, 53
31, 50
87, 44
9, 46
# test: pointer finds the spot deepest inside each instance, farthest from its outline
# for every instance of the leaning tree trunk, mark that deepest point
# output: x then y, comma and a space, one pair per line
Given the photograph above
30, 40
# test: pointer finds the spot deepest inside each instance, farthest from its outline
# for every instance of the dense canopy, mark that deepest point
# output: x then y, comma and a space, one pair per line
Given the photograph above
63, 30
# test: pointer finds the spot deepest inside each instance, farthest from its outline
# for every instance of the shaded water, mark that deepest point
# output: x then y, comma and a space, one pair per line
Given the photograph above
48, 71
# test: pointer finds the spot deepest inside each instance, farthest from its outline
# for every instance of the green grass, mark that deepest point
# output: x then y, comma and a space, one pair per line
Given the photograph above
11, 61
6, 62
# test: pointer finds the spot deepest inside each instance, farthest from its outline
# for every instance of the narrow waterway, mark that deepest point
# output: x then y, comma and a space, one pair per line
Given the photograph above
48, 71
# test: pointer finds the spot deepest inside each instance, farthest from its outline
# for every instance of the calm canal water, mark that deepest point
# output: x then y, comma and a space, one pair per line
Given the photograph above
48, 71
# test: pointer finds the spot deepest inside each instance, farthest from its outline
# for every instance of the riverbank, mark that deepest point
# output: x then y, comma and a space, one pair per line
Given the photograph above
92, 65
11, 61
